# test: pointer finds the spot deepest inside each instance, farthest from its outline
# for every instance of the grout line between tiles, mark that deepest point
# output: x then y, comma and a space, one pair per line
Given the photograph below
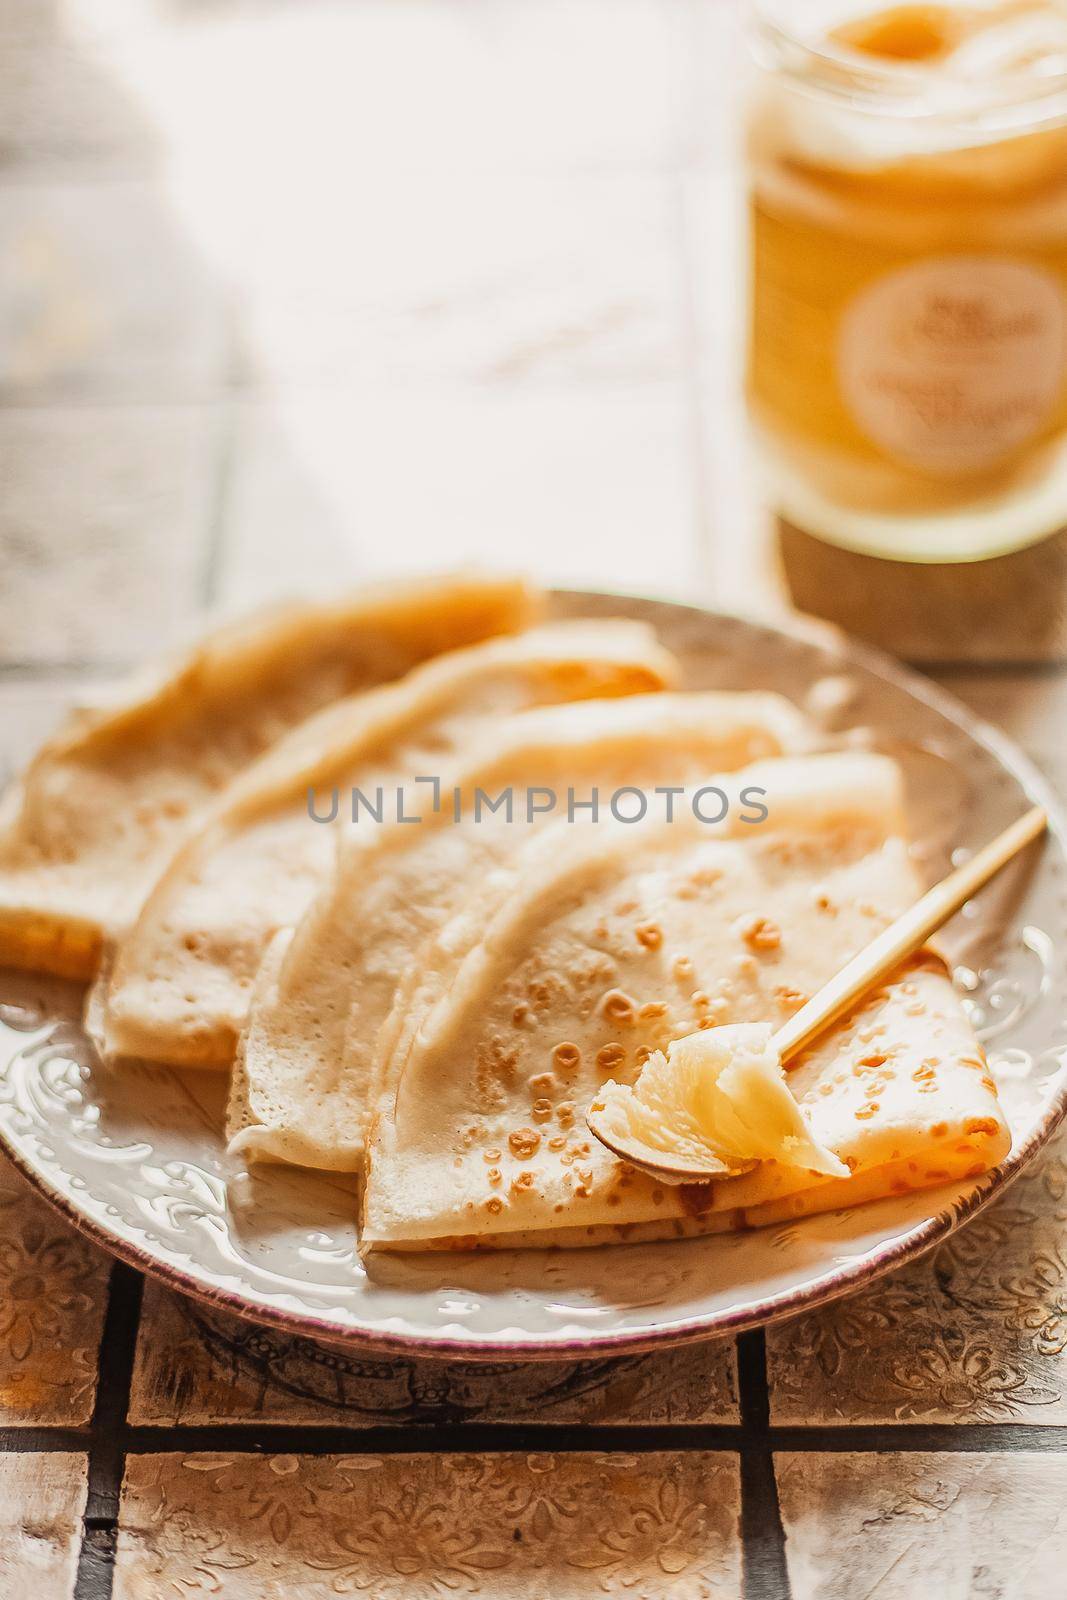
934, 1438
765, 1574
471, 1438
488, 1438
107, 1446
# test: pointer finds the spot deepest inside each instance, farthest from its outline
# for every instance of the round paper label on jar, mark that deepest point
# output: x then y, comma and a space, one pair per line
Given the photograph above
954, 362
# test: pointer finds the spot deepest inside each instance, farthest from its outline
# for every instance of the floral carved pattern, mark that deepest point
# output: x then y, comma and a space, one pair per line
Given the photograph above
51, 1306
197, 1364
975, 1332
413, 1541
663, 1534
429, 1527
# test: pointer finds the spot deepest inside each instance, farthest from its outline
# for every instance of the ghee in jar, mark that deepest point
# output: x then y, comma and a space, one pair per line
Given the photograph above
907, 367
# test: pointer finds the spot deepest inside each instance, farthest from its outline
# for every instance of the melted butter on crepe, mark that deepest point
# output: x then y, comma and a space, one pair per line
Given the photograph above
179, 987
101, 808
900, 1090
610, 942
716, 1101
334, 997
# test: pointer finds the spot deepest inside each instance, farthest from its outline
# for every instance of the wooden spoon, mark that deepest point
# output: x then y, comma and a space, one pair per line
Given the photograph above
908, 933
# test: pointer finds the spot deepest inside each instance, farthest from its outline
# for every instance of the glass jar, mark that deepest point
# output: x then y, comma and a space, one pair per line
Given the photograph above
907, 369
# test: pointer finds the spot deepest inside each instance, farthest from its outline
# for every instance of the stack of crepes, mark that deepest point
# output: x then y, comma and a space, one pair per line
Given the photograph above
434, 998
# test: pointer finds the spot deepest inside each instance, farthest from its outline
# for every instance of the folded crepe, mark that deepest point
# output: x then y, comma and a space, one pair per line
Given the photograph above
331, 997
96, 815
179, 986
606, 943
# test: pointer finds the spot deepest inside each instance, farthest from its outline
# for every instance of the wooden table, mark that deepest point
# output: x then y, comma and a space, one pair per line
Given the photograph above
302, 290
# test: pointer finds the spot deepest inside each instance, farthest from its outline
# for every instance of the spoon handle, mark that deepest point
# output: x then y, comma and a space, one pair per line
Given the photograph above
903, 937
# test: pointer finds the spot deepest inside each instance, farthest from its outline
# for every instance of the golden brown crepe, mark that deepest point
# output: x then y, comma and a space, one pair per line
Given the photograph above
331, 997
179, 987
101, 807
601, 944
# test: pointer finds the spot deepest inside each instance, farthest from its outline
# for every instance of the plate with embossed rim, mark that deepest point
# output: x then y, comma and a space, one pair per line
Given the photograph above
135, 1157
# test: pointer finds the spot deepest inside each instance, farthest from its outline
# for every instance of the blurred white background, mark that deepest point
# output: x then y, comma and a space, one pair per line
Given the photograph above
297, 289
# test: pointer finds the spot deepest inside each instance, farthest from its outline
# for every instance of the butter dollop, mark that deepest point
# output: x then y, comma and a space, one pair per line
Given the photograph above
716, 1102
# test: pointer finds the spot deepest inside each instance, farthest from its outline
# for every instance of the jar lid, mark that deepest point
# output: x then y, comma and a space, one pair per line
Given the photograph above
999, 65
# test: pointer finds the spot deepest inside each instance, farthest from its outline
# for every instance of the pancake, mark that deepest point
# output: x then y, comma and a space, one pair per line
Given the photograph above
98, 812
179, 987
332, 997
605, 943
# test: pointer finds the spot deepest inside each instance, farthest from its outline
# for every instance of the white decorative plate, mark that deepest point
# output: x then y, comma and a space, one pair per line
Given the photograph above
135, 1157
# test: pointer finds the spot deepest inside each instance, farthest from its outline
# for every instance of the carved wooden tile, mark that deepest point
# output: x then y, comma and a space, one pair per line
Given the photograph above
1008, 609
67, 113
42, 1498
52, 1292
609, 455
975, 1332
898, 1525
515, 281
1030, 708
196, 1365
102, 294
419, 1527
576, 94
81, 579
